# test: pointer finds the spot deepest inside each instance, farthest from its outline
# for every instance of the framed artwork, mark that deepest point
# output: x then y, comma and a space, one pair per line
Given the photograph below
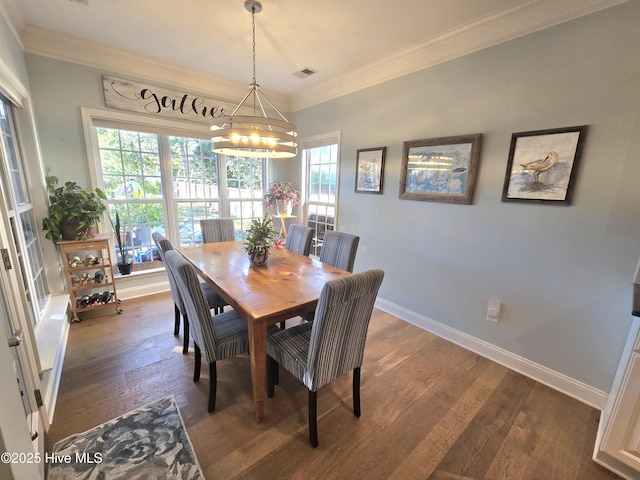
542, 165
370, 170
440, 169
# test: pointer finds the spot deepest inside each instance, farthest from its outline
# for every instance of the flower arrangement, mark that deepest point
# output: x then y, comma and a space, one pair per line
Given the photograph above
284, 191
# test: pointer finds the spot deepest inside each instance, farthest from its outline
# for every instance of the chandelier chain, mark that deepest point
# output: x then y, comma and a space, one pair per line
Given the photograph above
253, 43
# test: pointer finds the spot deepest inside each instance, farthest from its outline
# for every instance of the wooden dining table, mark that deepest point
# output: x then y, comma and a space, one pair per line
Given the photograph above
288, 285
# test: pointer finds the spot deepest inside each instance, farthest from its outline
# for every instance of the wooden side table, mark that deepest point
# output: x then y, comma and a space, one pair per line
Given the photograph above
283, 223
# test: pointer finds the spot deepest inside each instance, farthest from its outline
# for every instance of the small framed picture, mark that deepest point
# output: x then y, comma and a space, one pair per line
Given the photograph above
542, 165
440, 169
370, 170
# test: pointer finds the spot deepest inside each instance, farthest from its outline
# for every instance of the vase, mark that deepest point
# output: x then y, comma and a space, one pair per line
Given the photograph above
258, 258
284, 207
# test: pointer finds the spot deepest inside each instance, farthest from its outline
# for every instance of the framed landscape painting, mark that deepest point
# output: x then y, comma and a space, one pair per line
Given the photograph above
370, 170
440, 169
542, 165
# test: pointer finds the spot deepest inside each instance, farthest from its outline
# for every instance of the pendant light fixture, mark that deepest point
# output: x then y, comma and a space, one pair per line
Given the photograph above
256, 135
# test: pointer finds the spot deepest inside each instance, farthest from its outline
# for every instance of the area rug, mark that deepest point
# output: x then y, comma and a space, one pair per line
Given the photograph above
150, 442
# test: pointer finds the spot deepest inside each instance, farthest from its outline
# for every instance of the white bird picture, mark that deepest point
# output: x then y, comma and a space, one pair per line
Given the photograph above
542, 165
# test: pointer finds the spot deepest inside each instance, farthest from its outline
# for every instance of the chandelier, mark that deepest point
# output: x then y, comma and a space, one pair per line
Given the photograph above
257, 135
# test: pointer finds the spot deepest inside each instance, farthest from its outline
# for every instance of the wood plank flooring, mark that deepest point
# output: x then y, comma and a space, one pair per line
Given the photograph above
430, 409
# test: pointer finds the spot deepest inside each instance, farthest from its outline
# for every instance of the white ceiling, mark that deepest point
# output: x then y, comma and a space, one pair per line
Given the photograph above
351, 43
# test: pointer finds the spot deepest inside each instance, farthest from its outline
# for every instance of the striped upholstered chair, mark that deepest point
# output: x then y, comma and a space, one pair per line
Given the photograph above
217, 230
299, 239
318, 352
215, 301
339, 249
216, 336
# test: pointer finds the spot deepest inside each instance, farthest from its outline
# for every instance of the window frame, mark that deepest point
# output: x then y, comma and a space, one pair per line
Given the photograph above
92, 118
308, 143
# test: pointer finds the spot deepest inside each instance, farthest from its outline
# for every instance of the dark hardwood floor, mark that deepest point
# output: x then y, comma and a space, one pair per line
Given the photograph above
430, 409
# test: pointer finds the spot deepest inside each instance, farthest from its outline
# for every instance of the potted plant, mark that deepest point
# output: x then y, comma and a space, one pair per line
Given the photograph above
124, 265
259, 239
282, 196
74, 211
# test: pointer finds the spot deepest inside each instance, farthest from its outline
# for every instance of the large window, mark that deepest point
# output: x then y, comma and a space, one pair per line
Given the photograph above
320, 192
21, 215
159, 182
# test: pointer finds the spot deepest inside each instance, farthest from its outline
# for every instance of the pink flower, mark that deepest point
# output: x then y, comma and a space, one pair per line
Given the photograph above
283, 191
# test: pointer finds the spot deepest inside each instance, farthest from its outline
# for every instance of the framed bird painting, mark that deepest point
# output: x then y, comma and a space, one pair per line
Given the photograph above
543, 165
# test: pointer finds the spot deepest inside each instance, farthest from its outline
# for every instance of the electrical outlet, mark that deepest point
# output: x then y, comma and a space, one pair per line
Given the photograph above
493, 310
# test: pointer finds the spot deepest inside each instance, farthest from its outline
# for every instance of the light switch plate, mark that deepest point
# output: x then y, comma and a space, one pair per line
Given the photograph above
493, 310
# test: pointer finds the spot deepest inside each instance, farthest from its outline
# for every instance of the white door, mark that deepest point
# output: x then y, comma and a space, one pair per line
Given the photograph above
20, 458
618, 442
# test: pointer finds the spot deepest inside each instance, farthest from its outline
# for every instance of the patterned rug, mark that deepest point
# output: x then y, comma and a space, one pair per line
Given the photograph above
150, 442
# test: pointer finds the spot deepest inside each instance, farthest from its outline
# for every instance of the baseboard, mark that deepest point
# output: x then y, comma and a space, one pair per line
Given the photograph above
551, 378
137, 291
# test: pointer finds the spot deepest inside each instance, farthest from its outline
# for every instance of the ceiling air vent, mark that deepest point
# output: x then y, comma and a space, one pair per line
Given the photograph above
305, 72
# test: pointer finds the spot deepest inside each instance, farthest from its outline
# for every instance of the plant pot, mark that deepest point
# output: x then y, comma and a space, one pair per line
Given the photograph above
258, 258
70, 230
125, 268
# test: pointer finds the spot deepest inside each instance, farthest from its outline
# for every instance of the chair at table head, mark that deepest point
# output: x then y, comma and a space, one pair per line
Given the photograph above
318, 352
339, 249
214, 300
217, 230
219, 336
299, 239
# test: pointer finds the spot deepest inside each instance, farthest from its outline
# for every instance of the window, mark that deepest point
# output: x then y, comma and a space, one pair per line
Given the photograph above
320, 191
161, 182
21, 215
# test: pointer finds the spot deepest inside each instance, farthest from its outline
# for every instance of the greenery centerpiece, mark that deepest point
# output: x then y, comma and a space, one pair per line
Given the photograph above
282, 196
74, 211
259, 239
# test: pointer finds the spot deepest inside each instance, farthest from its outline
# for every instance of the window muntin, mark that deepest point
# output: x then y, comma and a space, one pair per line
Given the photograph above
21, 216
165, 183
321, 187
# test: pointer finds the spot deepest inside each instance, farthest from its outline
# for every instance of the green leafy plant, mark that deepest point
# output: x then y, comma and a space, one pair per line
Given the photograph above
260, 236
119, 234
72, 204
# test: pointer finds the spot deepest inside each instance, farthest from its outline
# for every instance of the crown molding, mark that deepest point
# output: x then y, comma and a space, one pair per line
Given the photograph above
485, 32
500, 27
45, 43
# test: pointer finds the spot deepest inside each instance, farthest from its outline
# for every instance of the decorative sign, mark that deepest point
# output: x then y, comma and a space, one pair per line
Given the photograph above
149, 99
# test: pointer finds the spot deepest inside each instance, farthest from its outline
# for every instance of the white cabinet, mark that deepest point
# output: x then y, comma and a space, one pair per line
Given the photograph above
618, 442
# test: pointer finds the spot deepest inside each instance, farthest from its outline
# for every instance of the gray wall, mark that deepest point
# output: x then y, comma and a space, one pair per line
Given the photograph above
11, 53
563, 273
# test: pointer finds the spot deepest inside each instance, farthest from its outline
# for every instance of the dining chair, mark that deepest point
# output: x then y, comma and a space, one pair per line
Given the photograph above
339, 249
215, 301
218, 336
317, 353
299, 239
217, 230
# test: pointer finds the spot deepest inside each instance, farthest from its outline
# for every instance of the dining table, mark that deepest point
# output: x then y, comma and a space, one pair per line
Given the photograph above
286, 286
